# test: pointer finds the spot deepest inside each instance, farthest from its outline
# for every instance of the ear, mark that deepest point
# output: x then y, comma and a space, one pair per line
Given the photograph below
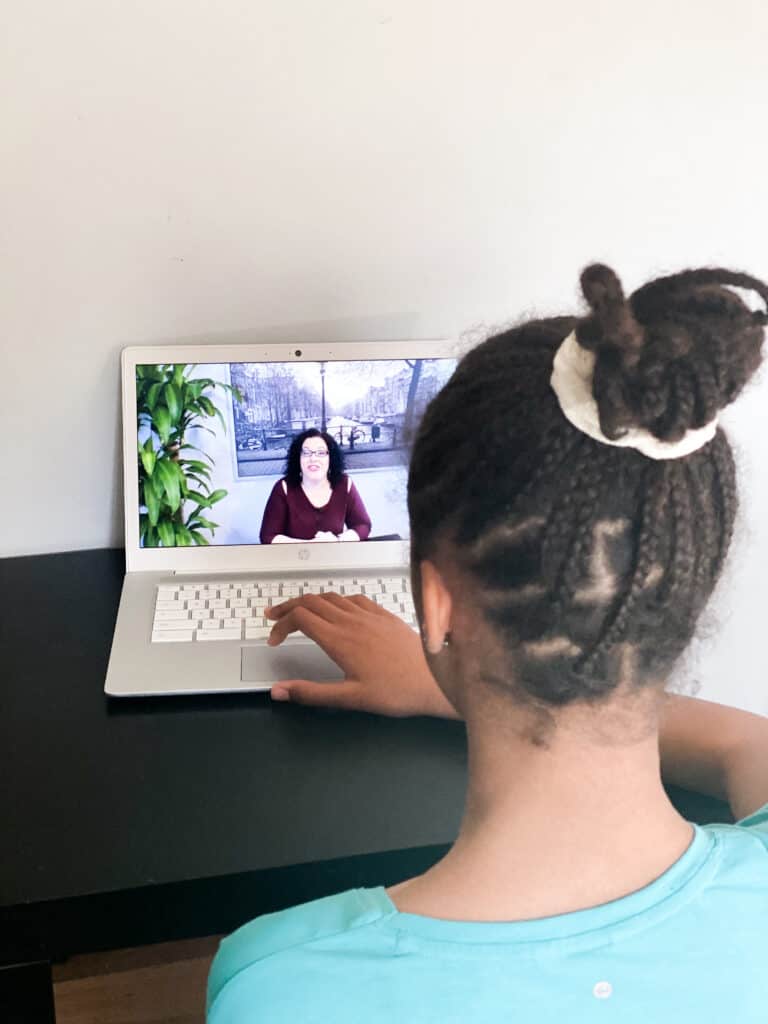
436, 606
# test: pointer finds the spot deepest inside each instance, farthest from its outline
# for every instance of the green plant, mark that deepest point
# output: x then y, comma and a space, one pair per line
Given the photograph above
169, 403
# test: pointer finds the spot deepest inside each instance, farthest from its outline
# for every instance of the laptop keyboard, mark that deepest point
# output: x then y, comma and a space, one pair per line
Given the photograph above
234, 610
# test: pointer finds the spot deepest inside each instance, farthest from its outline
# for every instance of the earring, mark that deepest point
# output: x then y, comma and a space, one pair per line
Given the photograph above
446, 639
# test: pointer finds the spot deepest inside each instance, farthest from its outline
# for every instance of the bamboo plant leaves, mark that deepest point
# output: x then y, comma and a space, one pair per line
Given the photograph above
147, 456
151, 501
167, 473
168, 403
152, 395
172, 397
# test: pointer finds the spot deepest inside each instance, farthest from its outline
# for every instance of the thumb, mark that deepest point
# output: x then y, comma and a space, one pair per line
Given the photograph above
302, 691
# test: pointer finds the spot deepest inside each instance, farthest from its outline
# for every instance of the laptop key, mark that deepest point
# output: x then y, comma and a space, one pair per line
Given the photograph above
171, 635
256, 632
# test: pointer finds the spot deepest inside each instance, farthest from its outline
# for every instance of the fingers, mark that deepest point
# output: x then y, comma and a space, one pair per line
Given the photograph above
321, 605
325, 618
303, 691
326, 605
301, 619
366, 604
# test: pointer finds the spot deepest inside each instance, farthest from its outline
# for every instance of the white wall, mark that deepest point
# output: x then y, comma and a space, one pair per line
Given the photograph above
290, 169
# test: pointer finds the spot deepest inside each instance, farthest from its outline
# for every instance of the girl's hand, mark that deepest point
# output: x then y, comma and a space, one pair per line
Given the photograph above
382, 659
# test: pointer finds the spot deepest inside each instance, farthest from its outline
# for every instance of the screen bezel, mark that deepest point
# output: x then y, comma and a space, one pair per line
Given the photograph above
309, 558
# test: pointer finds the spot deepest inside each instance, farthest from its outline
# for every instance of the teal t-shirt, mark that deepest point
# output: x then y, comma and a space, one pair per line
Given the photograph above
691, 946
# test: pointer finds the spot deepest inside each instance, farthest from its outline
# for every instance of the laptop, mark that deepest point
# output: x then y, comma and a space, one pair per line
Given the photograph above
221, 521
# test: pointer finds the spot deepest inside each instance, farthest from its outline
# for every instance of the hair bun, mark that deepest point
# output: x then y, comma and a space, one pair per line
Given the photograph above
680, 350
611, 323
600, 285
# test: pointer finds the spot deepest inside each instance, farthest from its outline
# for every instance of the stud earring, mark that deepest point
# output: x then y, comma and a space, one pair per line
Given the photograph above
446, 639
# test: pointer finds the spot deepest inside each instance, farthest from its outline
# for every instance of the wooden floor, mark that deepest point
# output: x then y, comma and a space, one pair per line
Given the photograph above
162, 984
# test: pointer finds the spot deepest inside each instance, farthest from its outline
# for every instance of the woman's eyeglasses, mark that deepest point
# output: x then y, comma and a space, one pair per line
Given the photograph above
319, 454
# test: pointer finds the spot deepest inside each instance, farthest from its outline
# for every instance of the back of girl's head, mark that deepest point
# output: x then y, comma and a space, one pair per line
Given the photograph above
590, 562
292, 471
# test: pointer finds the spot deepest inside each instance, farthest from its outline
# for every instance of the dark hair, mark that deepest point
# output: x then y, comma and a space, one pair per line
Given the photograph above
292, 471
592, 562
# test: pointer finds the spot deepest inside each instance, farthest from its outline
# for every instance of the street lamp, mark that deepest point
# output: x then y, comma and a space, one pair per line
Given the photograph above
322, 400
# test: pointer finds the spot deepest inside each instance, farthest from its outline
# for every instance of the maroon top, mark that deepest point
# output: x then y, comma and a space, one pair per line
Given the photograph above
290, 512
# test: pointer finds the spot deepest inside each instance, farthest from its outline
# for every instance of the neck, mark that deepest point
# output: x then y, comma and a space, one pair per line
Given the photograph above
553, 828
315, 485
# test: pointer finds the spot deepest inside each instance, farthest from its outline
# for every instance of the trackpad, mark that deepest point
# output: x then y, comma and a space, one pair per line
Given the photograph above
262, 664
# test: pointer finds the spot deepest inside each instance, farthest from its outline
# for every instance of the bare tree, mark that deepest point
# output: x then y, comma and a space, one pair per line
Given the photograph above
415, 365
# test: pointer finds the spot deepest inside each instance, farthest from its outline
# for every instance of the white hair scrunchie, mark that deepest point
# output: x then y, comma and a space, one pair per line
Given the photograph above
571, 380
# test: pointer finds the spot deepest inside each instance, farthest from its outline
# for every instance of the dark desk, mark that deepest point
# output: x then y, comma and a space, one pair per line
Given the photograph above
127, 822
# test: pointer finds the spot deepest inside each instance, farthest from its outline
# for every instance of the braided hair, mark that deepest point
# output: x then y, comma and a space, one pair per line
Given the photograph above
592, 563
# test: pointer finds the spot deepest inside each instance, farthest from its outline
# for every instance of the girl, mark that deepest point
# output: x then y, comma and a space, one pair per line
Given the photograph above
559, 569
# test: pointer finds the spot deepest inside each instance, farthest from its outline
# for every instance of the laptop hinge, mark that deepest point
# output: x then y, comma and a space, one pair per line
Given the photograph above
205, 572
228, 572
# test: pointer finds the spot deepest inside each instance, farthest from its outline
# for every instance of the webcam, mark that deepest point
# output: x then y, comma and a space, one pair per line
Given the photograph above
297, 352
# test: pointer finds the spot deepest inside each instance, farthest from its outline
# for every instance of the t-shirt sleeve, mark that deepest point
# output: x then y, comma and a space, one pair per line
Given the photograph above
287, 931
757, 823
357, 517
275, 519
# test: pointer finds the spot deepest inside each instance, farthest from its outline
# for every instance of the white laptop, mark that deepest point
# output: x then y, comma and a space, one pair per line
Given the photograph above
207, 440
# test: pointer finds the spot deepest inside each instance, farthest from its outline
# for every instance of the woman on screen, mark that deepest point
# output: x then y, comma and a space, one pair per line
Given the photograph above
315, 500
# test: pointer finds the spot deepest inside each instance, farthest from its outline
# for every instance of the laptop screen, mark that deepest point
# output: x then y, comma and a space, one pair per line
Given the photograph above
277, 452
